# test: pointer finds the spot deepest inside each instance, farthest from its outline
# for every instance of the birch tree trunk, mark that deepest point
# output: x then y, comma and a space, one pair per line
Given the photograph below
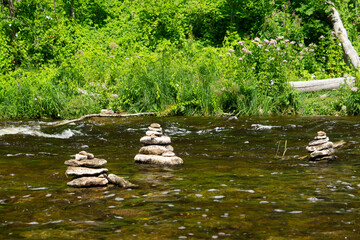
340, 31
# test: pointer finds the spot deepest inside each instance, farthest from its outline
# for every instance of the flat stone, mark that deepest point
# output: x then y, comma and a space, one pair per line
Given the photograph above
168, 154
325, 152
80, 157
169, 148
84, 171
321, 133
155, 125
339, 144
153, 150
155, 129
95, 162
320, 147
88, 182
89, 155
159, 160
318, 142
114, 179
163, 140
150, 133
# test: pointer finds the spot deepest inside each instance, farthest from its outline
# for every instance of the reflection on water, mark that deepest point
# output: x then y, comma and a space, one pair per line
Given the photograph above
232, 185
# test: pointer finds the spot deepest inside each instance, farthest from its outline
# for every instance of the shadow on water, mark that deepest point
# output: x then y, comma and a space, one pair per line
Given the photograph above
232, 185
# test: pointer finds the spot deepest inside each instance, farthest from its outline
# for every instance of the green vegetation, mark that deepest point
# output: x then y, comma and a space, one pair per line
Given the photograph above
65, 58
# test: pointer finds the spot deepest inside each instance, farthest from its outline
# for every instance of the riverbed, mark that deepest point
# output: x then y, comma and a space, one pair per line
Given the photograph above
241, 179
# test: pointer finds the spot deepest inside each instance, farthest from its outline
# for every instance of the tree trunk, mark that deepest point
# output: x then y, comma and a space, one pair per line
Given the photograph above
340, 31
11, 9
72, 11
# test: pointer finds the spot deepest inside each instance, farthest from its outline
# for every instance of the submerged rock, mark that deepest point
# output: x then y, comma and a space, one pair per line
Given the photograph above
88, 182
92, 163
114, 179
84, 171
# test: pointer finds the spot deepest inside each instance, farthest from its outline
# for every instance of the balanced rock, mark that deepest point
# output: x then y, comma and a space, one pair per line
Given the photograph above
151, 133
92, 163
88, 182
114, 179
321, 149
153, 150
88, 171
158, 160
80, 157
155, 129
156, 149
161, 140
168, 154
155, 125
84, 171
88, 155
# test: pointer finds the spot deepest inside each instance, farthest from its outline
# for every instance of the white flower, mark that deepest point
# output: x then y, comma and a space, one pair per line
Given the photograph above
48, 17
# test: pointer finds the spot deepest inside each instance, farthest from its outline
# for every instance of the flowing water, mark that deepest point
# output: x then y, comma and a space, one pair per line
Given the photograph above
238, 182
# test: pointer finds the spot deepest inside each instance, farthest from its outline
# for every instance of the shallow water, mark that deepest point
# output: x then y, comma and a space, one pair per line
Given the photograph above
232, 185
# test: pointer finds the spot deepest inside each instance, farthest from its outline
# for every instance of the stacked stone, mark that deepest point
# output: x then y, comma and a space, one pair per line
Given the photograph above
321, 149
89, 171
157, 148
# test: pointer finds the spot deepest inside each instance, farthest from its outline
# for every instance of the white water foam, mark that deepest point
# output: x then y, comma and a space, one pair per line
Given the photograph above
35, 131
263, 127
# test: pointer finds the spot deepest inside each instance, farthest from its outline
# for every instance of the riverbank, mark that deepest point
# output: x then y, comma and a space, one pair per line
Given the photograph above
244, 79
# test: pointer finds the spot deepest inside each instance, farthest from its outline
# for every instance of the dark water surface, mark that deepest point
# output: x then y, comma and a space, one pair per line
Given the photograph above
232, 185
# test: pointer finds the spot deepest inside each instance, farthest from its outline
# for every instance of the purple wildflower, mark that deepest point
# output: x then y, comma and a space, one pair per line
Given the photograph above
231, 50
114, 95
103, 86
322, 37
228, 54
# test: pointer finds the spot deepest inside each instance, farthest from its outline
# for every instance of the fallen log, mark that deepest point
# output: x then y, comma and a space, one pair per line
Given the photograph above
324, 84
340, 31
103, 115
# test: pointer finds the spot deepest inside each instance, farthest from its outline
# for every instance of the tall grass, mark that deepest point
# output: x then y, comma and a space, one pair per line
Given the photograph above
247, 77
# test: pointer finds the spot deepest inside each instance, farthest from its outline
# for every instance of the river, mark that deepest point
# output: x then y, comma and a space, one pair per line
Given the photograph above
235, 182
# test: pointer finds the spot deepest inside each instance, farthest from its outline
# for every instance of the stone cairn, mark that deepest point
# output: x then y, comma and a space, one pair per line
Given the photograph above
321, 149
157, 148
89, 171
